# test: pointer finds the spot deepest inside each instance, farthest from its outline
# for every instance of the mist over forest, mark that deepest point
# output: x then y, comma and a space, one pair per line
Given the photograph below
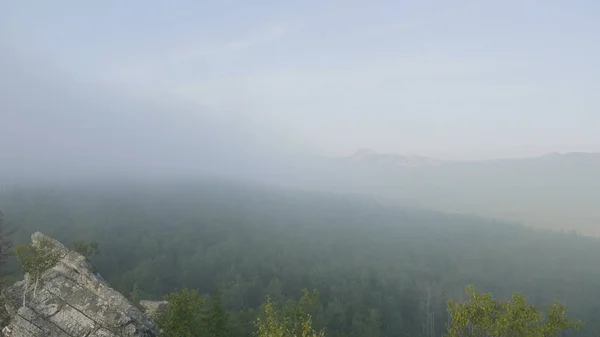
372, 154
372, 264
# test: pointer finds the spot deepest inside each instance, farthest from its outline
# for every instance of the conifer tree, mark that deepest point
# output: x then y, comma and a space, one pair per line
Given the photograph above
216, 318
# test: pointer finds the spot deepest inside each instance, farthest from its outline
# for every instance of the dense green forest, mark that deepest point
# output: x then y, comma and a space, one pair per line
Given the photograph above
379, 270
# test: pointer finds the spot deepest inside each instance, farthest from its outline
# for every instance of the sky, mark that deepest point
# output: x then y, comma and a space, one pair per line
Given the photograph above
449, 79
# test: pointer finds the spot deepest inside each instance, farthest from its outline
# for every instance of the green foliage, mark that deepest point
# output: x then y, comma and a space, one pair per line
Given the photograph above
87, 249
35, 259
216, 319
5, 245
5, 253
188, 313
484, 316
295, 321
183, 316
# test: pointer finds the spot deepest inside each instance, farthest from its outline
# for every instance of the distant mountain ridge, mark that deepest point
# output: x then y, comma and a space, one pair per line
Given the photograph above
370, 156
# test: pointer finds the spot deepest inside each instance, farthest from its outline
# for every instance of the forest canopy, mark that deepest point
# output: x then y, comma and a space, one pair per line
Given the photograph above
379, 270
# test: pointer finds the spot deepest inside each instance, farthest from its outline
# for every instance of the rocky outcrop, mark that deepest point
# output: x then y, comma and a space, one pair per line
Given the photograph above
72, 300
154, 308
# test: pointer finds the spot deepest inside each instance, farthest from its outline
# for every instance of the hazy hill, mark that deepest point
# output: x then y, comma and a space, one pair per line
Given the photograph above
557, 191
371, 157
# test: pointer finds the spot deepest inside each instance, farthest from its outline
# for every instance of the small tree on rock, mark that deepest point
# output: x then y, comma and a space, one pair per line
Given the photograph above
35, 260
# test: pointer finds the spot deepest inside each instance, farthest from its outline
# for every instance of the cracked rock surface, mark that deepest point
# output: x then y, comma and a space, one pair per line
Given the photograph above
72, 300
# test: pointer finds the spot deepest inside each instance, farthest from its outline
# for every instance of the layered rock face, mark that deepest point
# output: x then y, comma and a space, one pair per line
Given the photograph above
72, 300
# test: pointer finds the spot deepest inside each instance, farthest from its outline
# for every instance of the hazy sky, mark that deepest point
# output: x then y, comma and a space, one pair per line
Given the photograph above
452, 79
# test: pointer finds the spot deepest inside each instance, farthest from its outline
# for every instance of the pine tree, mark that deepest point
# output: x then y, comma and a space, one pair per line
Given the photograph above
216, 318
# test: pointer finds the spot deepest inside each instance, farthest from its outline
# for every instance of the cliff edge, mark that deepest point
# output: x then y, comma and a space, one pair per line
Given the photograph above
71, 300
